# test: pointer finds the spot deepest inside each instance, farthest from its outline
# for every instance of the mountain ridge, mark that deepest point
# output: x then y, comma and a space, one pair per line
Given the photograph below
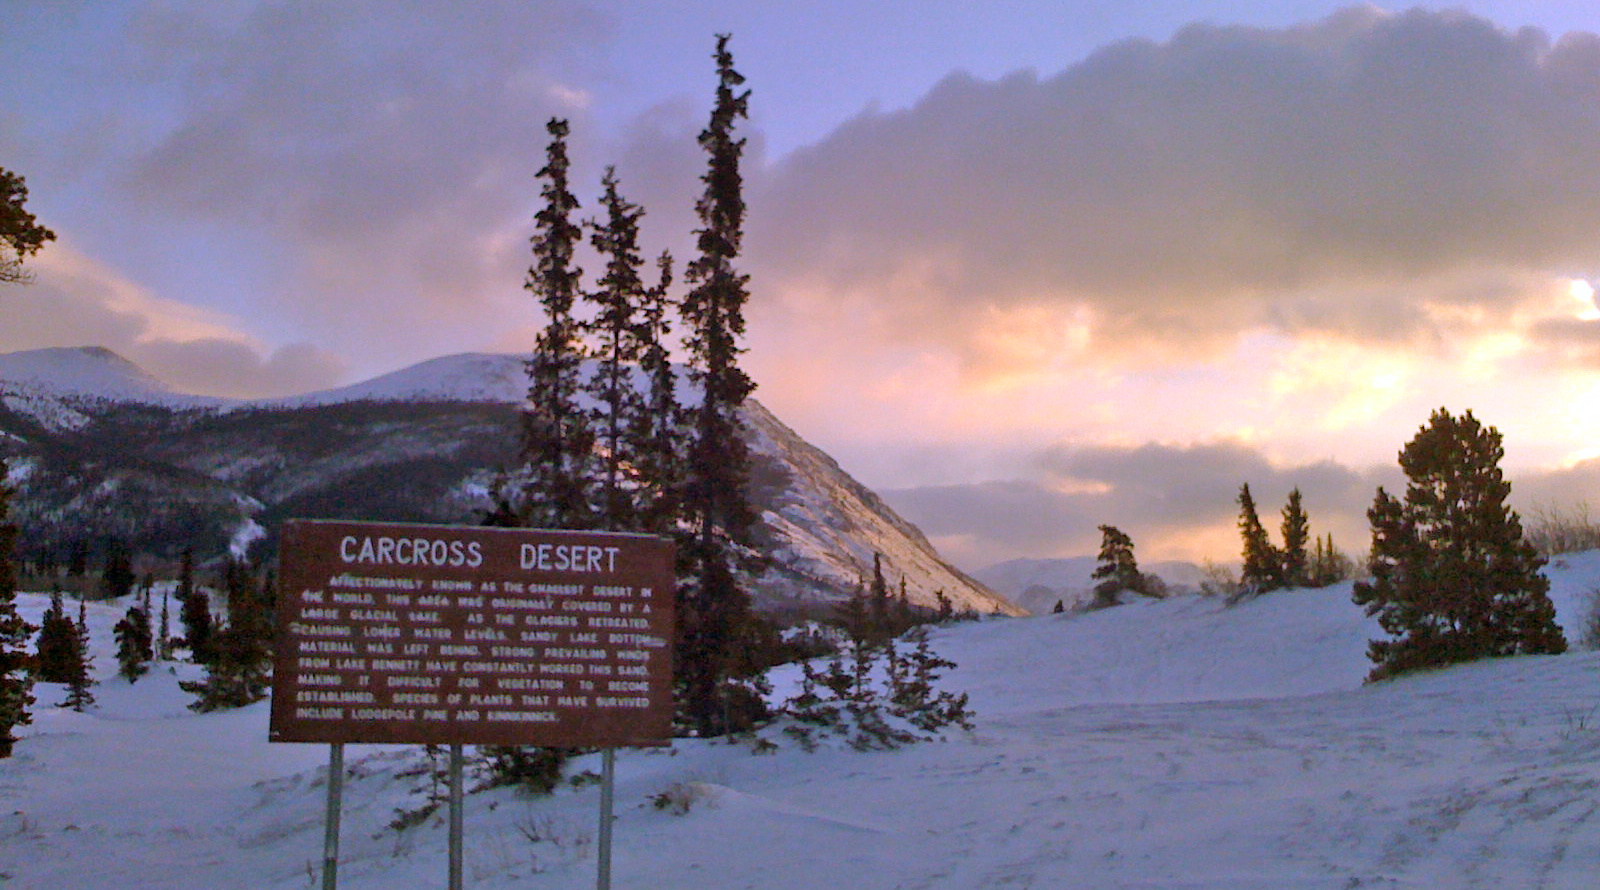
121, 454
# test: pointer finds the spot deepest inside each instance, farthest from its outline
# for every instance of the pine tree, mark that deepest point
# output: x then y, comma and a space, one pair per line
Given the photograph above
720, 686
163, 633
238, 672
20, 232
16, 682
1116, 569
618, 348
1296, 533
659, 451
194, 613
1262, 570
557, 439
134, 650
119, 578
1453, 579
80, 678
55, 651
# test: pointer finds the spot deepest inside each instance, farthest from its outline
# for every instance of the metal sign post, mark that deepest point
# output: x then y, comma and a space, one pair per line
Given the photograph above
330, 835
608, 778
455, 818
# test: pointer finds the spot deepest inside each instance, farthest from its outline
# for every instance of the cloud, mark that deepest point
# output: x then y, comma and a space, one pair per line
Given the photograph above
76, 301
1351, 177
1177, 502
383, 154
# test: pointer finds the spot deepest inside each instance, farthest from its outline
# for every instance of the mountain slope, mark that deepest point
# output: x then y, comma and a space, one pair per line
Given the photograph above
111, 452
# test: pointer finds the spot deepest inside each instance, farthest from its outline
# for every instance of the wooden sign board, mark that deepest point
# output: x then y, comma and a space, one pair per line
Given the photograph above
430, 634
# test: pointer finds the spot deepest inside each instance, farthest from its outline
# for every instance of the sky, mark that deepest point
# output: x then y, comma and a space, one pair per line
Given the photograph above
1022, 268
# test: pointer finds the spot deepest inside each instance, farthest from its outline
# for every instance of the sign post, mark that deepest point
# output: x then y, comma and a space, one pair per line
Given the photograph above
464, 635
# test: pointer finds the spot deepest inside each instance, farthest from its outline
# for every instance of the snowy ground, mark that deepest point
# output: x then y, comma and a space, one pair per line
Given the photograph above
1160, 745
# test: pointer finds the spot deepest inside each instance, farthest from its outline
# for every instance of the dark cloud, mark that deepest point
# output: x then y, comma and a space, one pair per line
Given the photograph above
1343, 176
1176, 502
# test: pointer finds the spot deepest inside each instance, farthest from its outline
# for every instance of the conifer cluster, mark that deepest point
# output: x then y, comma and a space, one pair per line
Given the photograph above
16, 683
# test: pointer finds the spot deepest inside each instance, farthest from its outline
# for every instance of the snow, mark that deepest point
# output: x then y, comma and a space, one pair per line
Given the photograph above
1172, 744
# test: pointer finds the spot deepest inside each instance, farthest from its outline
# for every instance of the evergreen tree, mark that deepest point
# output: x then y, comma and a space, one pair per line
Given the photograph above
134, 649
1262, 570
239, 671
719, 685
618, 348
79, 678
119, 578
194, 613
1116, 569
163, 633
1296, 533
659, 454
55, 655
1452, 577
20, 232
16, 683
1328, 565
557, 438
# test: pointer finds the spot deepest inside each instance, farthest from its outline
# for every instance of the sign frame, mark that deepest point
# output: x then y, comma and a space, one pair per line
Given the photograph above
440, 634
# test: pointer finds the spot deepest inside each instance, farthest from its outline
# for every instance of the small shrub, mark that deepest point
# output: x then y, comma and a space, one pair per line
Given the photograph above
1554, 531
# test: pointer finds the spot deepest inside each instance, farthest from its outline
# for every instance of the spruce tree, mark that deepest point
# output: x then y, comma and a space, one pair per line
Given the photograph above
238, 672
659, 437
1296, 532
134, 644
16, 682
720, 685
1453, 578
1116, 568
618, 349
1262, 570
80, 678
55, 653
194, 613
119, 578
557, 438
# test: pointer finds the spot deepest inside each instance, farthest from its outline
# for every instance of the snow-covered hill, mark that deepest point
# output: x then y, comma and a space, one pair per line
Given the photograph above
1165, 744
102, 450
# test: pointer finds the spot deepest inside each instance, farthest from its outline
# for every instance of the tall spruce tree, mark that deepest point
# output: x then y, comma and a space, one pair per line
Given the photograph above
1296, 570
660, 453
558, 441
1263, 566
16, 681
1453, 578
616, 333
719, 683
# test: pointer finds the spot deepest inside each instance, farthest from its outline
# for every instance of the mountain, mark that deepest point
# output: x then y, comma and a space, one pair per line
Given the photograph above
101, 450
1037, 584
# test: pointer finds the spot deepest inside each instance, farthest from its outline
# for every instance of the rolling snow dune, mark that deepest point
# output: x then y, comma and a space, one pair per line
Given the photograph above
1173, 744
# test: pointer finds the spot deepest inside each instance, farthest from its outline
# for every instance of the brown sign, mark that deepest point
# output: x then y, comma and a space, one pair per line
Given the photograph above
466, 635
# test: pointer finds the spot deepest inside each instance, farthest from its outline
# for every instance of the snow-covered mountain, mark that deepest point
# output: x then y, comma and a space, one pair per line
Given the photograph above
1162, 744
1038, 584
100, 449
